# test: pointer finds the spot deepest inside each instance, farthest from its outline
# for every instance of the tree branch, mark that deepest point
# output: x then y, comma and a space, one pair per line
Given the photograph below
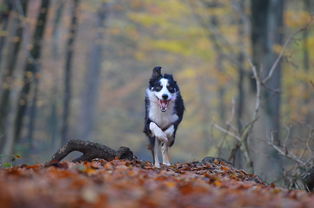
227, 132
90, 151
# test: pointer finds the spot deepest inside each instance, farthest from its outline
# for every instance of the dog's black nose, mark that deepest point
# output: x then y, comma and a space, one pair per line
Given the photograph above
165, 96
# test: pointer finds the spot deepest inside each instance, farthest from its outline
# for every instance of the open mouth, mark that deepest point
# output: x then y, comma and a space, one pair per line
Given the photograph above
163, 104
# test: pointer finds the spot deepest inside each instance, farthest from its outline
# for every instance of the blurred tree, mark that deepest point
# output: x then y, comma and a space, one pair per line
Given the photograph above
307, 4
56, 27
53, 118
92, 75
240, 63
13, 47
267, 33
68, 71
214, 23
5, 12
204, 43
31, 73
236, 156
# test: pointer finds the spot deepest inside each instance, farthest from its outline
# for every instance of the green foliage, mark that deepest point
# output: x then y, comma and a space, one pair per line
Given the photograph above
7, 165
10, 160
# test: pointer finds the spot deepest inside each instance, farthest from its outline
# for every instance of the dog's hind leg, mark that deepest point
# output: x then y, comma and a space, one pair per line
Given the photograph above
165, 156
156, 149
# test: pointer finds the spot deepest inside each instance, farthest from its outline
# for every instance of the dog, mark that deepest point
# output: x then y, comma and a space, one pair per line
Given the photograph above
164, 108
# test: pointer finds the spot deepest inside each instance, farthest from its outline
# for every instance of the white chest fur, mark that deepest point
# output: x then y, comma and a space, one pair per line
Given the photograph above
162, 119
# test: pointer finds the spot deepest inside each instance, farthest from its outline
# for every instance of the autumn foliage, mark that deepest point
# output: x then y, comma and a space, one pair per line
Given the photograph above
122, 183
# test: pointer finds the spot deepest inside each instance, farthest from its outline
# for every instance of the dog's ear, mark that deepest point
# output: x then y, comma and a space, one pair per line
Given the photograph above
156, 72
169, 76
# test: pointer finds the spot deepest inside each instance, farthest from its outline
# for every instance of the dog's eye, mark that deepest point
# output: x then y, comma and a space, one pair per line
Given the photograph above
171, 89
157, 88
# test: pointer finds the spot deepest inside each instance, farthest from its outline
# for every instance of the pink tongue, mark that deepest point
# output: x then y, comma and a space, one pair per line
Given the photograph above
163, 104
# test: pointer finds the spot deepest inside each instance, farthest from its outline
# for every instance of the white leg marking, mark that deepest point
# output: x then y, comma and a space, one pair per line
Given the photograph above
156, 149
169, 132
165, 156
157, 132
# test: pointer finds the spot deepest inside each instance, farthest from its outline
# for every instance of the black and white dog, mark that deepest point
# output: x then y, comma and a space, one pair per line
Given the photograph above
164, 112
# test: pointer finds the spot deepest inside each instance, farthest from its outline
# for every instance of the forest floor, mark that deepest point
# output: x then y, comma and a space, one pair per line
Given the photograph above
122, 183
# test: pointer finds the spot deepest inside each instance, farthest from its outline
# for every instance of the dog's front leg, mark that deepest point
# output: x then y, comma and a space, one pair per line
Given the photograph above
156, 150
165, 156
164, 147
157, 132
160, 136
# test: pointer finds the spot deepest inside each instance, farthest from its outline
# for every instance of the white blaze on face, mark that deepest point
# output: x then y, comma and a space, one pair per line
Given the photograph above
164, 90
163, 103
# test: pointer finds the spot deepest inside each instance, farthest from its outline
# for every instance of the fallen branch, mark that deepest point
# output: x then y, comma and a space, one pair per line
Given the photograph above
90, 150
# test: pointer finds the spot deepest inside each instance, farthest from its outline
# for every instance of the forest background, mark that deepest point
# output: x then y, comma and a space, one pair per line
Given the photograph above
79, 69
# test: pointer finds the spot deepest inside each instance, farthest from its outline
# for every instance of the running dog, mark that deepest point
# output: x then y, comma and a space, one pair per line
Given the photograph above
164, 108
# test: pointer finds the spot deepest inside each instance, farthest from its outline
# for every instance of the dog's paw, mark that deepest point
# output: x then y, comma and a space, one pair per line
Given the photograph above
166, 163
158, 133
157, 165
161, 136
169, 132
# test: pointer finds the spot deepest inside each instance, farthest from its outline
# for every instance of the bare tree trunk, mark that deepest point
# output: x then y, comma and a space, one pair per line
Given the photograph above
306, 58
4, 21
32, 116
273, 96
53, 124
306, 54
33, 108
89, 102
55, 28
31, 71
259, 43
219, 66
53, 121
7, 78
238, 157
266, 32
68, 72
221, 98
241, 71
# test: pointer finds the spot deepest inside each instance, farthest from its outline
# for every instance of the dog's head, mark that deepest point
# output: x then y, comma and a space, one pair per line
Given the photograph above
163, 88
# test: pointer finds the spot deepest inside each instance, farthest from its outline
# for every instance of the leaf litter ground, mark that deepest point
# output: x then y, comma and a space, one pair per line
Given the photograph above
122, 183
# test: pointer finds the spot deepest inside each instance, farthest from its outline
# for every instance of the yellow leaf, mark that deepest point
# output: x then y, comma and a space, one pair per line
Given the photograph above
170, 184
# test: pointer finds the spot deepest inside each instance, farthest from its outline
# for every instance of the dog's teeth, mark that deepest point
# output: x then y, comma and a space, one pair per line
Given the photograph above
163, 105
